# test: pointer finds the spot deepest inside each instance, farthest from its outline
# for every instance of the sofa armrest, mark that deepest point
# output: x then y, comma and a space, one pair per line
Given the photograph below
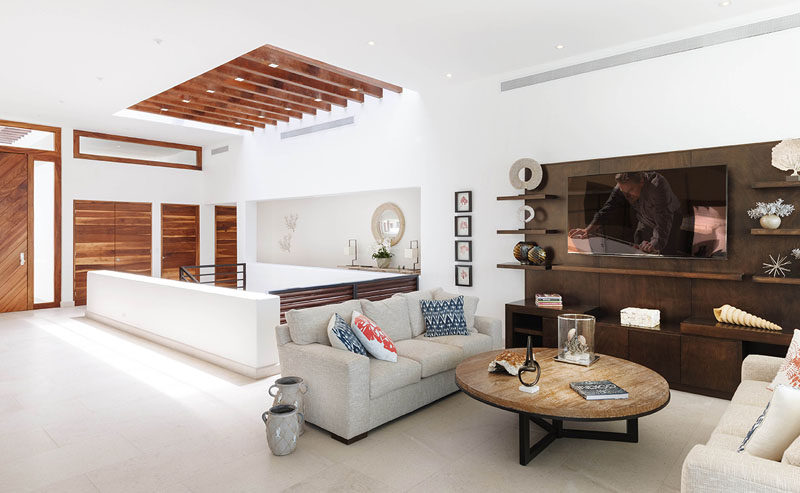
282, 335
492, 328
761, 368
338, 386
709, 469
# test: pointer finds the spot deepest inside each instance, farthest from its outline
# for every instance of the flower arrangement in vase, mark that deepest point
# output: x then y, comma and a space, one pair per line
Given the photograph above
382, 255
769, 214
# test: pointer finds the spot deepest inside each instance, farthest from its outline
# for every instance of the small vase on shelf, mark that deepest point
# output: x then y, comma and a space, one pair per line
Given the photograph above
770, 221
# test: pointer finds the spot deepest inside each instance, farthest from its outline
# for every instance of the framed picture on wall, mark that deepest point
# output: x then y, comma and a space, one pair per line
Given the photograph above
463, 226
463, 251
464, 275
464, 201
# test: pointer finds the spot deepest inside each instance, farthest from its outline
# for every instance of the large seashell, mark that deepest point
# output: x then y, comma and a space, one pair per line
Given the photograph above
509, 361
570, 334
732, 315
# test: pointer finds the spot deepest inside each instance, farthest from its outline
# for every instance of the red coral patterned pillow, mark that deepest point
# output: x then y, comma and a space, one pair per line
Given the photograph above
789, 372
373, 338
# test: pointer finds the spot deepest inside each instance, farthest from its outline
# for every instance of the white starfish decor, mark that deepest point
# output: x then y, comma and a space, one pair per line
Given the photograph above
776, 267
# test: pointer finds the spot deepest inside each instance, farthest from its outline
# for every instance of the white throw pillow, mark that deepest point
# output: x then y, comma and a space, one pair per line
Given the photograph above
789, 372
415, 317
470, 306
777, 427
373, 338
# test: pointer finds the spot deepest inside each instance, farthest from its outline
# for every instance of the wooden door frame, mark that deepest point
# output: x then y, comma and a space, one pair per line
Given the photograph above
197, 228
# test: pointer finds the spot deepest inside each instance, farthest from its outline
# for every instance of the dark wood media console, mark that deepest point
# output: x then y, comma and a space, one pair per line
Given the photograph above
690, 350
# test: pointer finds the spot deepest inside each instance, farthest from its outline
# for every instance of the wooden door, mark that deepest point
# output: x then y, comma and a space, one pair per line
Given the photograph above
180, 238
133, 237
16, 291
225, 244
93, 236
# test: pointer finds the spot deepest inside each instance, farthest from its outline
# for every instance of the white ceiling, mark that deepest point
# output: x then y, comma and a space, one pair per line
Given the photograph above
84, 60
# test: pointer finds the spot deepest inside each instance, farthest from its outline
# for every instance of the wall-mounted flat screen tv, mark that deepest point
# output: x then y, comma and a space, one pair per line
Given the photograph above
679, 212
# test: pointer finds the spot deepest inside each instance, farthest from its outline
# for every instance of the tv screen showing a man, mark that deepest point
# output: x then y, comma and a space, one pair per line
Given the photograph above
675, 213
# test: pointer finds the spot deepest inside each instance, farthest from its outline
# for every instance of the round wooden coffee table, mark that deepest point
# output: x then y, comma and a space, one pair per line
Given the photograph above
648, 392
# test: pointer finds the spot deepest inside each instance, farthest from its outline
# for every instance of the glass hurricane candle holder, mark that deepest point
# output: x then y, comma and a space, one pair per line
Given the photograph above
576, 339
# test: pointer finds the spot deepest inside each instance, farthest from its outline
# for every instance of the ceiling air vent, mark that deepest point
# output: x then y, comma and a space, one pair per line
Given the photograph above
219, 150
688, 44
318, 128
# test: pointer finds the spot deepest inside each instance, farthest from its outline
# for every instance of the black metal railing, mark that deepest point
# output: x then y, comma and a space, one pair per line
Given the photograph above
224, 275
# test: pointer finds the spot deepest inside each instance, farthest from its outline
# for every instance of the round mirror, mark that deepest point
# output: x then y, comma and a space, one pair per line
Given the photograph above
388, 223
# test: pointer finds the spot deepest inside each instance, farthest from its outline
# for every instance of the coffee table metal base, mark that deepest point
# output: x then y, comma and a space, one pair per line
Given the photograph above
556, 429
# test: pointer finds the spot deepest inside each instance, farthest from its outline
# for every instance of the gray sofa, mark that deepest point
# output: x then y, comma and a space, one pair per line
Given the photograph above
718, 467
350, 394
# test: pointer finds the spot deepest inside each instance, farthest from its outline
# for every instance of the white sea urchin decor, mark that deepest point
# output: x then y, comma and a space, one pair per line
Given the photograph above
786, 156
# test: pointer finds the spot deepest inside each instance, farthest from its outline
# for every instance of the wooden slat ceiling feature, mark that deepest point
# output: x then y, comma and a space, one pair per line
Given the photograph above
263, 87
9, 135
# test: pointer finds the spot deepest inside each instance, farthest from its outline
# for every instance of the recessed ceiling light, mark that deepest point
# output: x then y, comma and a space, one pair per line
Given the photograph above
354, 89
261, 116
559, 47
237, 123
164, 109
725, 3
449, 76
273, 65
186, 100
238, 79
288, 109
371, 43
210, 91
318, 100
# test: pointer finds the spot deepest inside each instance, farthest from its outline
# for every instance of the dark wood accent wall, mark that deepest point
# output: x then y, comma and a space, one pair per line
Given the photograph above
225, 251
110, 236
681, 288
180, 238
379, 289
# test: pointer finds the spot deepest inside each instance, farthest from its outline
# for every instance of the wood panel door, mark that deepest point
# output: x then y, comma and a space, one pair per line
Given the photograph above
133, 237
225, 244
93, 236
180, 238
16, 291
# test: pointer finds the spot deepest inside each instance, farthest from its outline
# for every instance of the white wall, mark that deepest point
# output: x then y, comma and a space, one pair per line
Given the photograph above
466, 137
326, 223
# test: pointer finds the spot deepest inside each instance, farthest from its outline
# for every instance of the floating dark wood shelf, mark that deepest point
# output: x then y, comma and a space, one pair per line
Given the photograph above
517, 265
708, 327
716, 276
776, 184
528, 196
775, 232
776, 280
527, 231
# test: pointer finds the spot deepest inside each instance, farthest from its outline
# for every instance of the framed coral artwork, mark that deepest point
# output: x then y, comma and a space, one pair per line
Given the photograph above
464, 275
463, 251
463, 201
463, 226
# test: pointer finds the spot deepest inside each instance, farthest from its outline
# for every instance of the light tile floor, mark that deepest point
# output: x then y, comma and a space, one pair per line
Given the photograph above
84, 407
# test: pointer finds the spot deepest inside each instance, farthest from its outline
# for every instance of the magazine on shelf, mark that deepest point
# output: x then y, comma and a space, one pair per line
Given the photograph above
596, 390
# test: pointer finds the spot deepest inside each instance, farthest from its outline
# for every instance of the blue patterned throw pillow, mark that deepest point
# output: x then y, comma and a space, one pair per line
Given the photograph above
342, 337
444, 317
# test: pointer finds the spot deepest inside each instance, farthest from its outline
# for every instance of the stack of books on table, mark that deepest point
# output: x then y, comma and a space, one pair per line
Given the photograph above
549, 301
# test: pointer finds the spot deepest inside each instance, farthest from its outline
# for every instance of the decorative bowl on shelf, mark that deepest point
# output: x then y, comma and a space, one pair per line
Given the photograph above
521, 250
537, 255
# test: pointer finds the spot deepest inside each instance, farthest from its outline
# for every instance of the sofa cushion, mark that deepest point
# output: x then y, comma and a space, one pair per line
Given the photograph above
792, 454
471, 345
415, 316
777, 427
391, 315
470, 306
310, 325
738, 419
752, 393
434, 358
341, 336
375, 341
385, 376
444, 317
789, 372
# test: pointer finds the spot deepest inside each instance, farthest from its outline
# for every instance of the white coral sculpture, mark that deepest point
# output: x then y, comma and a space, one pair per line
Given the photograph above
777, 208
732, 315
786, 156
796, 253
291, 222
286, 243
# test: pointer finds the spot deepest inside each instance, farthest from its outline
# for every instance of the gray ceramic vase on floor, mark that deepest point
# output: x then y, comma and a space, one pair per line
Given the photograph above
290, 390
283, 427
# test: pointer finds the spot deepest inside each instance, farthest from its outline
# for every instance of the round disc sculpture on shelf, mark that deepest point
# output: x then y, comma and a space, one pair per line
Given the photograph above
521, 250
532, 167
537, 255
526, 214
